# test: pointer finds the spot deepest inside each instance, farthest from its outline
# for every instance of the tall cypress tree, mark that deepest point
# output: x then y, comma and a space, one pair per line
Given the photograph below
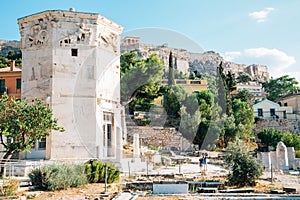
171, 80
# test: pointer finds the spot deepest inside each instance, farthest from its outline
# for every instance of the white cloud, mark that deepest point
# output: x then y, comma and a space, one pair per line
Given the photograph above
261, 16
278, 62
230, 56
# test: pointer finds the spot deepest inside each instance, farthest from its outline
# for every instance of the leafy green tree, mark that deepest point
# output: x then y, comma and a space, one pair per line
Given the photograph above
229, 131
14, 55
171, 78
222, 89
243, 168
209, 128
140, 80
190, 102
207, 134
212, 84
291, 140
280, 86
270, 137
173, 98
189, 123
95, 171
205, 102
22, 124
243, 78
244, 118
180, 75
4, 62
226, 84
128, 62
192, 76
244, 95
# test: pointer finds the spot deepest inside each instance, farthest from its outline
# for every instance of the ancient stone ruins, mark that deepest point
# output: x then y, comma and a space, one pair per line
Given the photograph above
71, 60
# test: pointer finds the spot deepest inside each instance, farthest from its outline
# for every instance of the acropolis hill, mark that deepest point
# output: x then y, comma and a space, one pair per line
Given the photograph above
186, 61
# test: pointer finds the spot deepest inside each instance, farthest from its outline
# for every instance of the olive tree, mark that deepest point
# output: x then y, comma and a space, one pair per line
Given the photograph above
243, 168
22, 124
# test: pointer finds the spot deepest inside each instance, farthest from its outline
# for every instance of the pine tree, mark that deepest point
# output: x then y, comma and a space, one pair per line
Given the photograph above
171, 80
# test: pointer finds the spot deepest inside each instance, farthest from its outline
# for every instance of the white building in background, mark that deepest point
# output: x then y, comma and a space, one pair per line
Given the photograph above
267, 109
254, 88
71, 60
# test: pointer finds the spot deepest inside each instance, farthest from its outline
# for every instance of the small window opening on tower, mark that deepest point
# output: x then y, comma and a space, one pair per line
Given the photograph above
74, 52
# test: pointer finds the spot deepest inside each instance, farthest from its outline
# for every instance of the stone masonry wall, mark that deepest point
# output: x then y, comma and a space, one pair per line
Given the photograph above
158, 137
278, 124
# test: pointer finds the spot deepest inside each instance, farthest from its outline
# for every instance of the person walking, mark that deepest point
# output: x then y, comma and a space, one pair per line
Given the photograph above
204, 158
201, 163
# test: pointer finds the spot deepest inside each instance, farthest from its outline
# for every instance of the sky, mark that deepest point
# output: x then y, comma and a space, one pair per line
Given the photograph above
263, 32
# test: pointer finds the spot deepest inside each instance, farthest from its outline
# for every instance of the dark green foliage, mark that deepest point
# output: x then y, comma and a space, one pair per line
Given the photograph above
95, 171
173, 98
270, 137
222, 90
297, 153
243, 168
291, 140
244, 95
4, 61
244, 118
58, 176
280, 86
23, 124
171, 79
226, 84
179, 74
12, 55
143, 121
243, 78
140, 80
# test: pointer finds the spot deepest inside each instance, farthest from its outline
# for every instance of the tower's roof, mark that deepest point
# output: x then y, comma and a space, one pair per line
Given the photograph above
70, 14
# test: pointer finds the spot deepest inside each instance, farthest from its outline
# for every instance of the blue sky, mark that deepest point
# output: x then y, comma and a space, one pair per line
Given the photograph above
251, 32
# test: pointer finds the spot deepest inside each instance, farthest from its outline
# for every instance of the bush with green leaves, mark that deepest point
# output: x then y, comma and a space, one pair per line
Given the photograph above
243, 167
95, 171
297, 153
58, 176
9, 187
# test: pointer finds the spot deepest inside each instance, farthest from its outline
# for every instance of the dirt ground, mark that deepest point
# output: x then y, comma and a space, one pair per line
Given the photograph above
95, 191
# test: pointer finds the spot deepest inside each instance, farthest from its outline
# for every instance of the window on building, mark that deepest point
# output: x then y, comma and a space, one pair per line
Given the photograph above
2, 86
107, 129
284, 114
260, 112
74, 52
272, 112
42, 144
18, 83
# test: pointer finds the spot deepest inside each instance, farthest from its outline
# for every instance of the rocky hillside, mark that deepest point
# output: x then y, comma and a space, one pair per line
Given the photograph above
198, 63
208, 62
8, 45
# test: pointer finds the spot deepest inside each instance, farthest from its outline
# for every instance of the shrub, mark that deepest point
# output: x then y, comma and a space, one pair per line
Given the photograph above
58, 176
297, 153
95, 171
9, 187
143, 121
244, 169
